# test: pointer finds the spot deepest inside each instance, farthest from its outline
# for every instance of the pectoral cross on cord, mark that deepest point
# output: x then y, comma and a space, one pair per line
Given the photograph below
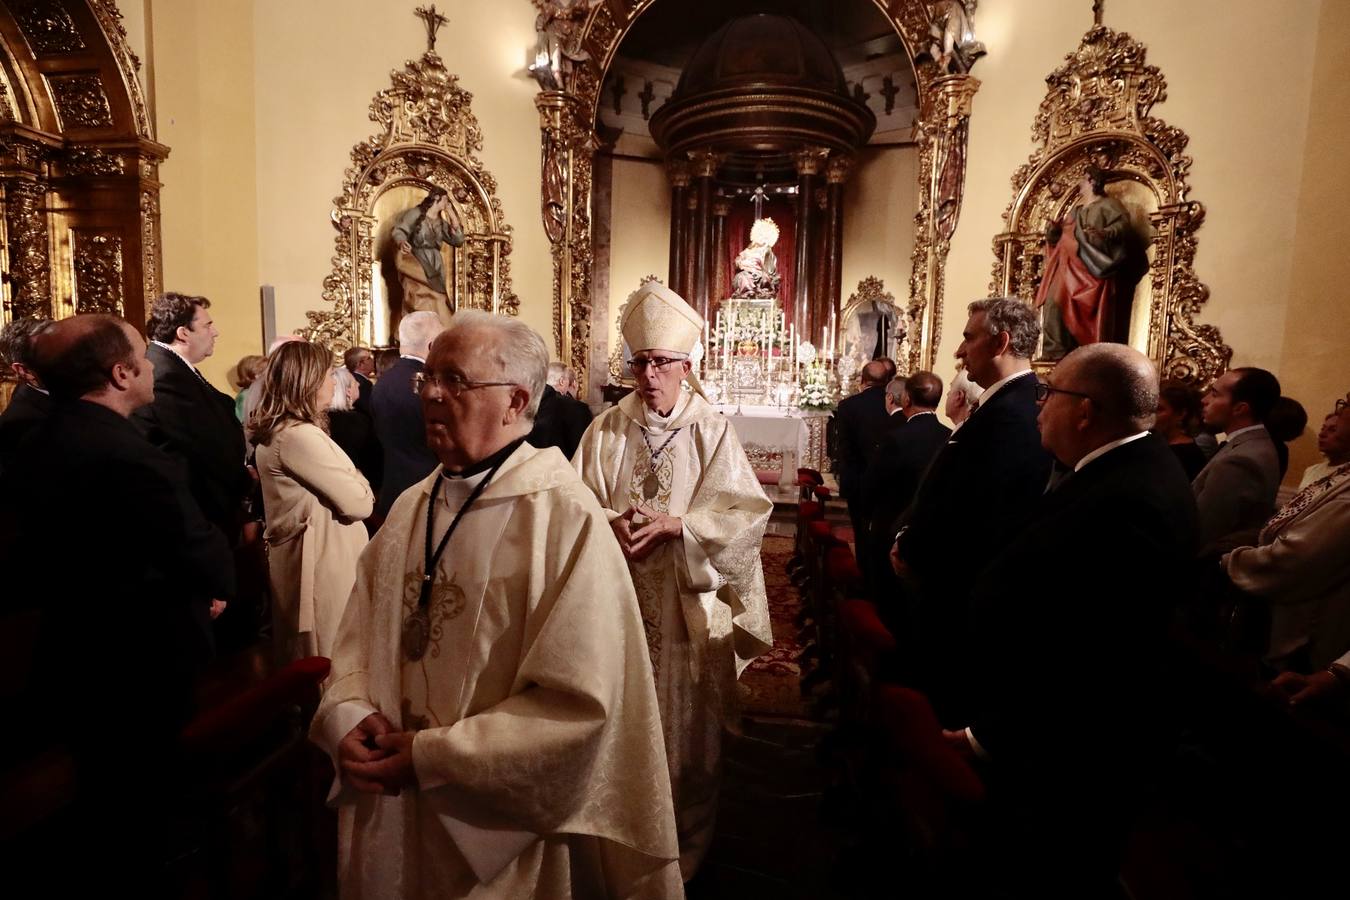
651, 483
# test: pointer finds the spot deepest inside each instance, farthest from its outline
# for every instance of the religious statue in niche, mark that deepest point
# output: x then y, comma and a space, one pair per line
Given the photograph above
1094, 257
756, 266
419, 233
951, 34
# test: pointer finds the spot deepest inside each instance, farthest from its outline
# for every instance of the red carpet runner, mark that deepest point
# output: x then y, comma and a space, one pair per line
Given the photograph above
770, 686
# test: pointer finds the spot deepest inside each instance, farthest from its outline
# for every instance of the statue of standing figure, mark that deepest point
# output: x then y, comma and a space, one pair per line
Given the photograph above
1093, 260
756, 266
419, 233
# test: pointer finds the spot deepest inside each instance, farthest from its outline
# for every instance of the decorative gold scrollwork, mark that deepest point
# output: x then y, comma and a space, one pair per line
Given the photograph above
98, 272
1097, 112
428, 139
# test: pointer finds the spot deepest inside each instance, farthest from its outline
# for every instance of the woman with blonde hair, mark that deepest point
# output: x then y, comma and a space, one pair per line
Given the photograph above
314, 497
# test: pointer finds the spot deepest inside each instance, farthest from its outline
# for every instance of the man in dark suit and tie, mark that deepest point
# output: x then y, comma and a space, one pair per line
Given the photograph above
360, 361
398, 411
29, 404
189, 419
119, 567
894, 474
861, 421
981, 486
1069, 622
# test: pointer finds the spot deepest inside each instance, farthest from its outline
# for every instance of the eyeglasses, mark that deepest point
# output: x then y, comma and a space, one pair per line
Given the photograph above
1043, 392
659, 363
1340, 406
452, 384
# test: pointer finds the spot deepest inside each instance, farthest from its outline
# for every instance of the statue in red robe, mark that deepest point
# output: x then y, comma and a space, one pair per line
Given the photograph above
1093, 261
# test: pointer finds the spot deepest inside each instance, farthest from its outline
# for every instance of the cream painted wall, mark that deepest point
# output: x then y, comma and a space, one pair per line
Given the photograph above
640, 242
879, 206
203, 81
1314, 365
1239, 83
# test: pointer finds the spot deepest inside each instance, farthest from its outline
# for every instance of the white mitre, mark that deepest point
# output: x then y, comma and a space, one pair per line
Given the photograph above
657, 318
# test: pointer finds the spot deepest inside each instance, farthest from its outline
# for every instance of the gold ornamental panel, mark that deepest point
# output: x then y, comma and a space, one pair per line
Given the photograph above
427, 143
1096, 114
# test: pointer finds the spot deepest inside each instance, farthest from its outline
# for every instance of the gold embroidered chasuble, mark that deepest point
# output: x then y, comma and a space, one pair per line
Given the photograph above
702, 596
538, 750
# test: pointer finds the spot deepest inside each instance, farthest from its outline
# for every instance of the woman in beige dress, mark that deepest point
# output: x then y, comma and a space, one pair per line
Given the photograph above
315, 501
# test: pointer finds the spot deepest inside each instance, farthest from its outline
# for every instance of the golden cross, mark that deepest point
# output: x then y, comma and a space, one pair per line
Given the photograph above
433, 21
1098, 9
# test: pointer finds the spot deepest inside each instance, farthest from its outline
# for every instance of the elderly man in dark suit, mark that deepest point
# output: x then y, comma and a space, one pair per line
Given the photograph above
189, 419
1236, 489
360, 361
30, 403
894, 474
398, 411
122, 597
1069, 621
981, 486
861, 421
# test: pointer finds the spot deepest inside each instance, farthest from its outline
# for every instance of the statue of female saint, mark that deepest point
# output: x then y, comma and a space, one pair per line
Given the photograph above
419, 233
756, 266
1093, 259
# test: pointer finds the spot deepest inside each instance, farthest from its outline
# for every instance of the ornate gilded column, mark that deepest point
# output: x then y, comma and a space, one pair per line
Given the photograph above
705, 165
836, 173
27, 263
809, 162
568, 151
943, 130
721, 208
678, 172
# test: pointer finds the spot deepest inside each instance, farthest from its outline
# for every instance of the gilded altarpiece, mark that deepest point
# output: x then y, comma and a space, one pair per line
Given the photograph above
427, 140
578, 41
79, 166
1096, 112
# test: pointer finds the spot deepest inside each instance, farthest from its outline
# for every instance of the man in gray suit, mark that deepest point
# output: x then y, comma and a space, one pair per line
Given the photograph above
1236, 489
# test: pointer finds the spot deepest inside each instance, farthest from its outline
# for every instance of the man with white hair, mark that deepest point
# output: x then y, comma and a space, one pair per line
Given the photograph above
490, 712
689, 514
562, 379
962, 396
562, 418
1066, 700
398, 413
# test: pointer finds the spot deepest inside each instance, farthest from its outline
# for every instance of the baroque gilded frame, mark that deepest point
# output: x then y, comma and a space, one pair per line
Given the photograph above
1096, 112
567, 112
429, 137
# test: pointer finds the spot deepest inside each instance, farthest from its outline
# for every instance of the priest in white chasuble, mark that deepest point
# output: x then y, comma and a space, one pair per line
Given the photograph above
494, 722
689, 513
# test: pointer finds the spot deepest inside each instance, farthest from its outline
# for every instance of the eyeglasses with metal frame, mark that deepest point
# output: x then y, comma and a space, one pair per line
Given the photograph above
659, 363
452, 384
1043, 392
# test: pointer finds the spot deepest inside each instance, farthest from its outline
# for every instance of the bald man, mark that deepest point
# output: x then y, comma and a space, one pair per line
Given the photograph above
122, 597
1068, 622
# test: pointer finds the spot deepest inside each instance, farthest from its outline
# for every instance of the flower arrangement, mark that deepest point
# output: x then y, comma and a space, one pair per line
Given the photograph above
814, 389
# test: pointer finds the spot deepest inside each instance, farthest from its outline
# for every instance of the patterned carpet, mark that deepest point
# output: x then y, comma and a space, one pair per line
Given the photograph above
770, 686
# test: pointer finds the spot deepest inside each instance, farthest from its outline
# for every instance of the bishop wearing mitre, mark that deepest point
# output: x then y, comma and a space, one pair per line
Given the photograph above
689, 514
491, 710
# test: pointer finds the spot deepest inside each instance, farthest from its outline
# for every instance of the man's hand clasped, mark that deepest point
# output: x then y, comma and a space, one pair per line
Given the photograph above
651, 531
376, 759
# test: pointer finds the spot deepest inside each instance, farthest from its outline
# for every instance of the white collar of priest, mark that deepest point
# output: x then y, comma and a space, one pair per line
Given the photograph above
997, 386
657, 423
473, 473
1107, 448
410, 356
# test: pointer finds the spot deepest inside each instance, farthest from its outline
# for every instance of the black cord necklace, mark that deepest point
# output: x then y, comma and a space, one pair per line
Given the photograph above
417, 626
